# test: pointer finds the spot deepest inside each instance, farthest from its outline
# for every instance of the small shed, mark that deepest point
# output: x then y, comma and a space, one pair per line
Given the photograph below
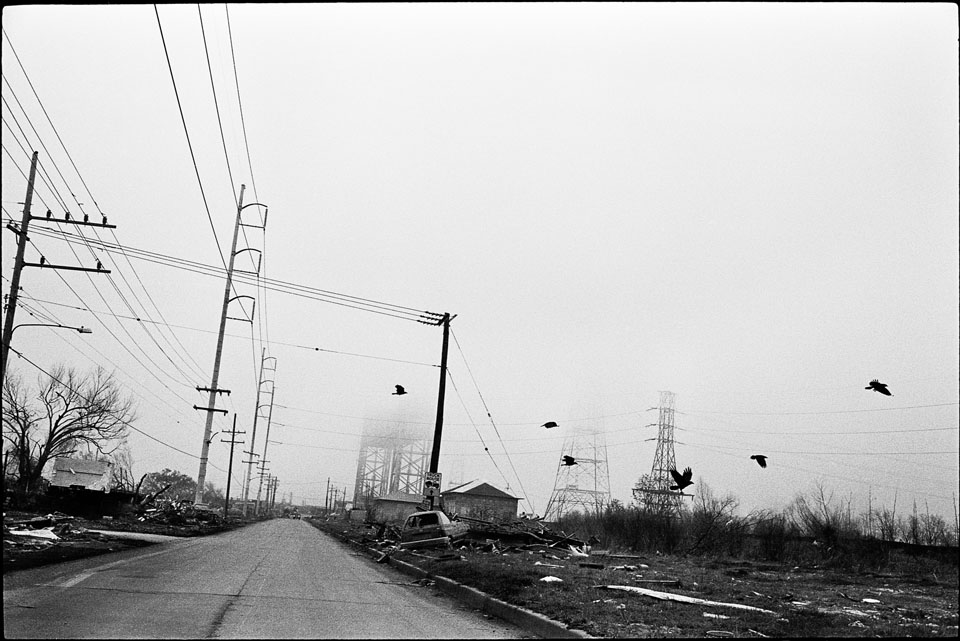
396, 506
82, 474
480, 500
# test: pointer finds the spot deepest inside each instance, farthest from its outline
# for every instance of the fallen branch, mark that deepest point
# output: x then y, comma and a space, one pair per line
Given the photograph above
668, 596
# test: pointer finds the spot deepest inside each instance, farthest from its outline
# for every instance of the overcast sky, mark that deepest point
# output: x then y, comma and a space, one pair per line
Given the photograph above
753, 206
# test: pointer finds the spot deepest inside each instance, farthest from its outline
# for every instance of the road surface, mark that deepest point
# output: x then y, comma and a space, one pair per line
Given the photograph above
277, 579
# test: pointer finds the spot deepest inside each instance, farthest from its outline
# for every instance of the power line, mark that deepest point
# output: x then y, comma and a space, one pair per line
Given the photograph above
487, 409
186, 132
357, 302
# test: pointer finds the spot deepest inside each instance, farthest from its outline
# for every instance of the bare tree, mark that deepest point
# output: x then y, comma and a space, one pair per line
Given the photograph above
122, 460
69, 412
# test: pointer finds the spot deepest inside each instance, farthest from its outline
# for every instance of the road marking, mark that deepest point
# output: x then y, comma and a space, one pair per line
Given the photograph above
83, 576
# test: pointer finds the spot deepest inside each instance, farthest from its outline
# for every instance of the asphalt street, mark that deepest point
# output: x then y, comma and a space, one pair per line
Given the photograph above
278, 579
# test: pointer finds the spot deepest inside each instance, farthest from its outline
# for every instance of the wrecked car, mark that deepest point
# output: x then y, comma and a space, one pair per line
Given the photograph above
431, 528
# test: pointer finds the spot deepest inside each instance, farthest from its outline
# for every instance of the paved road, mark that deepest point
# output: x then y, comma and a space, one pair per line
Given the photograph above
278, 579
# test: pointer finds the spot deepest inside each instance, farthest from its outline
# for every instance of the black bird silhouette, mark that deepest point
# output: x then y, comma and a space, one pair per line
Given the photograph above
549, 424
86, 218
877, 386
400, 391
42, 260
682, 480
569, 460
66, 216
49, 214
761, 459
104, 220
99, 265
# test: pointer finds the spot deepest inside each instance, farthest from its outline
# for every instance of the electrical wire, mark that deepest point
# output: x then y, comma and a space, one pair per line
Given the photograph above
363, 304
186, 132
489, 416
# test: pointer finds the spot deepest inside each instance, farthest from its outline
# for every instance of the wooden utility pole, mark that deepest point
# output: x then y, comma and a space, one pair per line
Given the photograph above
19, 262
233, 441
435, 455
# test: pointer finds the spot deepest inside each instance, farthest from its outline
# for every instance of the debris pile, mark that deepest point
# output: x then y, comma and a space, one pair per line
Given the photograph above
520, 531
40, 532
177, 512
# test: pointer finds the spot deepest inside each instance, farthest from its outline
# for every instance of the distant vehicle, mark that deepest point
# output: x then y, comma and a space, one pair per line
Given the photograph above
432, 528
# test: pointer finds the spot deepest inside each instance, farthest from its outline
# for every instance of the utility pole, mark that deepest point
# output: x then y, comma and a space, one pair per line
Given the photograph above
233, 441
435, 454
256, 414
20, 263
266, 441
213, 389
326, 498
261, 472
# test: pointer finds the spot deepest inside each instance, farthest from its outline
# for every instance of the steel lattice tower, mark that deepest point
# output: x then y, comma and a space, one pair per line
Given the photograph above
391, 460
652, 490
585, 485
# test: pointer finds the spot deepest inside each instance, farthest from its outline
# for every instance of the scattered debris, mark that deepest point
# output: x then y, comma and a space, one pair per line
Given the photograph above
628, 568
548, 565
551, 579
711, 615
672, 583
870, 600
42, 533
668, 596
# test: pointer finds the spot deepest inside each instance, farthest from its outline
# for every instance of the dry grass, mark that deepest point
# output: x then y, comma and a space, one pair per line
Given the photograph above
914, 597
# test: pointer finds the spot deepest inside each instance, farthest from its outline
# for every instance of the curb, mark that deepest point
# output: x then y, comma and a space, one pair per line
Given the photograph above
530, 621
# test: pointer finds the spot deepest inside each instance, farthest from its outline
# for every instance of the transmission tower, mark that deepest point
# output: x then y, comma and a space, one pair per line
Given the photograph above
652, 490
586, 485
391, 460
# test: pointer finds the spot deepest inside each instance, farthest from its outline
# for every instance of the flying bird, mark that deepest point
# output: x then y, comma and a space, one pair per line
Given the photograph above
569, 460
400, 391
760, 459
682, 480
877, 386
549, 424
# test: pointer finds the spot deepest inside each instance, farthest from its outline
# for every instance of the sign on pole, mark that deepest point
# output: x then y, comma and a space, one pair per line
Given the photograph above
431, 487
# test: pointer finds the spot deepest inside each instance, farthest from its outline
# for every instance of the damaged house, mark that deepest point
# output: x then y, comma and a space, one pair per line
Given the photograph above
82, 474
480, 500
85, 488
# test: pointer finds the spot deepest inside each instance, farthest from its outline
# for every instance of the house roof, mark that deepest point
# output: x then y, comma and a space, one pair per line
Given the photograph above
94, 475
400, 497
479, 487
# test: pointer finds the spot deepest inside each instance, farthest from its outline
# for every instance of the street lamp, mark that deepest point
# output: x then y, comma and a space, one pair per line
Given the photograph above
9, 338
81, 329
